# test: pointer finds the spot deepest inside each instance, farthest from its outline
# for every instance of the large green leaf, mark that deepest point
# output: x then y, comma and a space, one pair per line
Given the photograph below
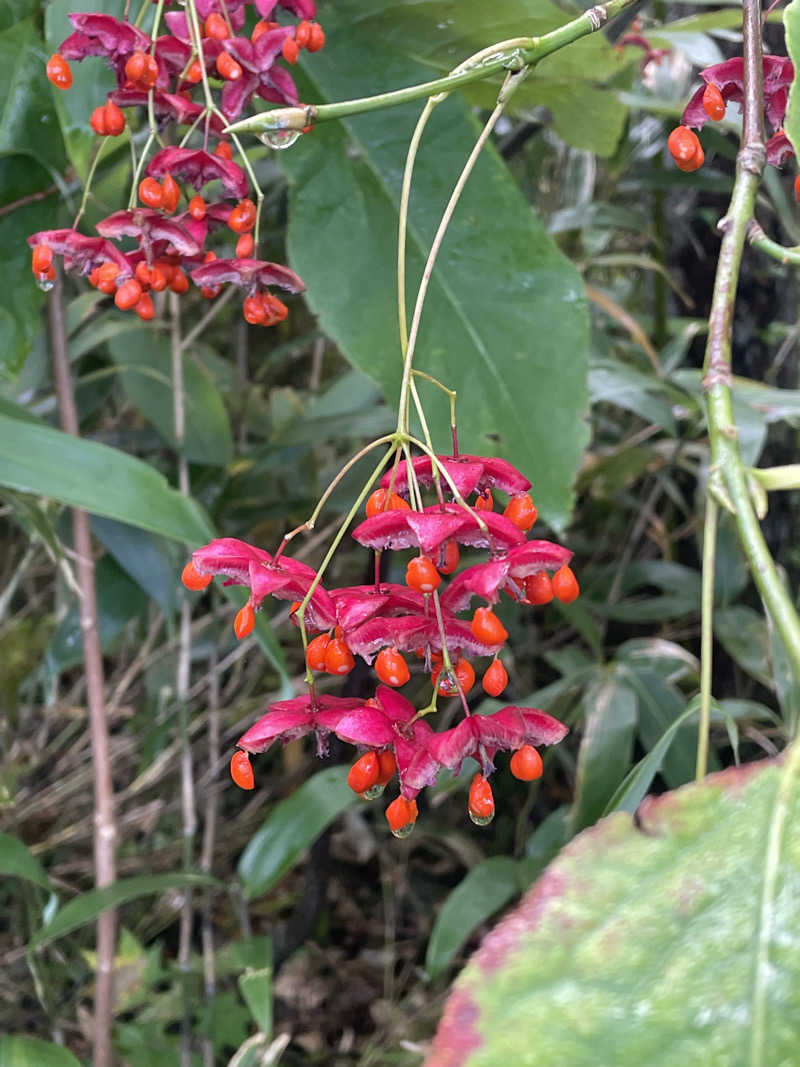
38, 459
144, 360
574, 84
27, 121
609, 721
292, 826
85, 908
665, 941
487, 888
506, 321
17, 859
21, 1051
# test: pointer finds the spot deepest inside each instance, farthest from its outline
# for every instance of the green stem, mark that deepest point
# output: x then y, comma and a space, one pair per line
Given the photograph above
706, 633
507, 55
758, 239
717, 382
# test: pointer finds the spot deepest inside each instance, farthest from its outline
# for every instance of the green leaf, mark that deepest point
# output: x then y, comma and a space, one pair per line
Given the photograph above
574, 84
17, 859
633, 790
660, 705
743, 634
292, 827
256, 988
544, 844
144, 360
38, 459
615, 383
665, 941
487, 888
31, 1052
86, 907
148, 559
27, 121
505, 308
791, 22
609, 720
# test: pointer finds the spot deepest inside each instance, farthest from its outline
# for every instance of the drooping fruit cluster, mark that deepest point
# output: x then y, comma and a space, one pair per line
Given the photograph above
198, 75
425, 619
724, 83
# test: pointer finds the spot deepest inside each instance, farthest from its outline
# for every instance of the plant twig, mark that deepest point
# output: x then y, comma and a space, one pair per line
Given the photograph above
506, 55
188, 806
758, 239
207, 852
706, 632
723, 432
105, 832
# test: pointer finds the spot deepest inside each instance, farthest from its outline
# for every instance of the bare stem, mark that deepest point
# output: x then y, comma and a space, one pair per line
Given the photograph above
207, 854
706, 633
188, 805
105, 832
717, 382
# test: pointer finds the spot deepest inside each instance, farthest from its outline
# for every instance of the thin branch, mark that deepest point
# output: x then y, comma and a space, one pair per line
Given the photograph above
706, 633
105, 832
723, 432
506, 55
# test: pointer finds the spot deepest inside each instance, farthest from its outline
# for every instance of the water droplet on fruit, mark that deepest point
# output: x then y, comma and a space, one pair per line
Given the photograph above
279, 139
481, 820
45, 284
403, 831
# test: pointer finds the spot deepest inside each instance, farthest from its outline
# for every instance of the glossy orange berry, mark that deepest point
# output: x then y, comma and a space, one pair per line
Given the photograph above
487, 627
114, 119
449, 558
245, 622
179, 283
522, 511
194, 580
194, 72
713, 103
97, 121
565, 585
422, 575
141, 67
391, 668
290, 51
495, 678
481, 801
338, 657
316, 37
261, 27
150, 193
160, 277
41, 259
387, 765
484, 501
364, 773
242, 217
144, 307
209, 292
242, 771
797, 188
223, 150
539, 588
682, 144
275, 310
215, 26
142, 274
128, 294
253, 311
695, 162
401, 816
170, 193
228, 68
302, 34
245, 246
197, 207
446, 686
58, 71
315, 652
383, 500
526, 764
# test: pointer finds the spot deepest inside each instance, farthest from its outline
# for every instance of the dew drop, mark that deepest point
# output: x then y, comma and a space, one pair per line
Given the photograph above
44, 284
403, 831
279, 139
373, 791
481, 820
